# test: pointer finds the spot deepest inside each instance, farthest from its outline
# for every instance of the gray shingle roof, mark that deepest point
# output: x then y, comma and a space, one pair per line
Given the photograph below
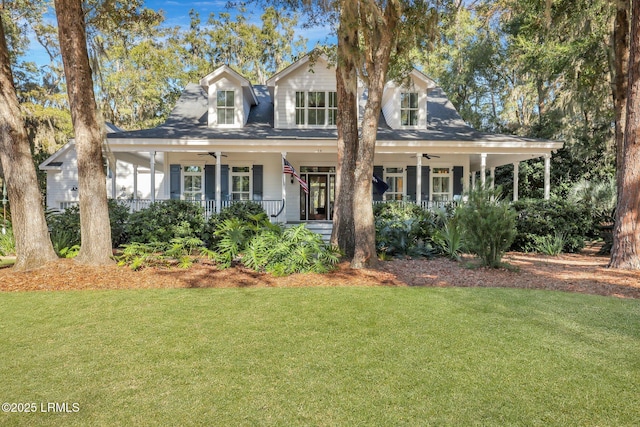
188, 120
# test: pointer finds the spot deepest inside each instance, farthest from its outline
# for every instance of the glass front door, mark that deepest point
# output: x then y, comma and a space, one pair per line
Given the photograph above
318, 204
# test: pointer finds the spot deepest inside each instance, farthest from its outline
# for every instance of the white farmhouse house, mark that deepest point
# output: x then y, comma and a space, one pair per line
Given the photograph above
226, 139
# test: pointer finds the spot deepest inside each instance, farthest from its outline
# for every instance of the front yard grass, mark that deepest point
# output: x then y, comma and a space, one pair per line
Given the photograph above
321, 356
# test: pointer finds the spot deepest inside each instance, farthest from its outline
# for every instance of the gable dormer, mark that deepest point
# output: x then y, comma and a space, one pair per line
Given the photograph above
404, 105
230, 98
304, 94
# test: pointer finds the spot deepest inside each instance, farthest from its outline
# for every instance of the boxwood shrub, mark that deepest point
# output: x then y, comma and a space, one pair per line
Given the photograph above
555, 217
165, 220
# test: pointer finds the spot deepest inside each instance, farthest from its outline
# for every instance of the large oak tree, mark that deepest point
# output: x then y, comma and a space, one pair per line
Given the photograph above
95, 231
33, 245
626, 239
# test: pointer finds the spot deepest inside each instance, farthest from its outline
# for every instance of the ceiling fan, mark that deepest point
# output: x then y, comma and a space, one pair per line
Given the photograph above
211, 154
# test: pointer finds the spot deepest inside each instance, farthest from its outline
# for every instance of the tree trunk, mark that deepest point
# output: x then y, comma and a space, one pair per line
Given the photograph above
378, 31
620, 79
33, 244
626, 237
94, 213
343, 234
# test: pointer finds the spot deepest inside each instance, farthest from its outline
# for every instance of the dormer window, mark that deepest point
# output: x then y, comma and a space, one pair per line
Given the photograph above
409, 109
226, 107
316, 108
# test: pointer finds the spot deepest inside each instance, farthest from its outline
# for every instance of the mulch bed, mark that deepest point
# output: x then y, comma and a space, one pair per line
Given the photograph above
586, 273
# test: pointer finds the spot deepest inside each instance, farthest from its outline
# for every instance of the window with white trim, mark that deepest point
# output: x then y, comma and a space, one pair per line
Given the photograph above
316, 108
240, 182
192, 180
409, 109
440, 184
394, 177
226, 107
332, 115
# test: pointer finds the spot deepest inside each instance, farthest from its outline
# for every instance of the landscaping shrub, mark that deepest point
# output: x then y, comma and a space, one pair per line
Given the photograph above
448, 235
7, 241
165, 220
64, 227
181, 251
243, 211
290, 250
403, 229
488, 224
539, 218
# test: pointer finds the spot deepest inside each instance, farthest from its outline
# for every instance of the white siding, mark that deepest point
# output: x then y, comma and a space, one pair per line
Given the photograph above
241, 106
301, 80
391, 103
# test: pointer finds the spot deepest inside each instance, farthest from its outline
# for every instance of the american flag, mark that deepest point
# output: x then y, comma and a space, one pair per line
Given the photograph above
291, 171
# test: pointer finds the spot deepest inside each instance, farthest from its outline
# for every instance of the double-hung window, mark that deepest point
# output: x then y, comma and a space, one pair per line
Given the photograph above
394, 177
409, 109
226, 107
192, 179
440, 184
240, 182
316, 108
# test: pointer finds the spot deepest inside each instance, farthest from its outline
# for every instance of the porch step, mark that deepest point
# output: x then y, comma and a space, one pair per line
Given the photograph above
323, 228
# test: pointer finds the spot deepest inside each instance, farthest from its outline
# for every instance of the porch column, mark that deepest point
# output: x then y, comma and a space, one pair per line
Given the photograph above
516, 177
492, 174
547, 176
135, 182
483, 168
473, 179
284, 185
152, 165
114, 187
218, 179
419, 179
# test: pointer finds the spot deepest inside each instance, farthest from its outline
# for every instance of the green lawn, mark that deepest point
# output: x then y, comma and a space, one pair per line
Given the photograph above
321, 356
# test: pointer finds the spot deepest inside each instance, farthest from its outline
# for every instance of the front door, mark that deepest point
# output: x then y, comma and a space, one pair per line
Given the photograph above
318, 204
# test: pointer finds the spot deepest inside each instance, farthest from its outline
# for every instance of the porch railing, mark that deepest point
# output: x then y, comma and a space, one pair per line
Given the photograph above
272, 207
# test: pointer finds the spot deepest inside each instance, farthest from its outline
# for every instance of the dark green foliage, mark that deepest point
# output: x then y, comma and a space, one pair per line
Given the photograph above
538, 218
488, 225
64, 227
243, 211
448, 236
403, 229
290, 250
181, 251
165, 220
7, 241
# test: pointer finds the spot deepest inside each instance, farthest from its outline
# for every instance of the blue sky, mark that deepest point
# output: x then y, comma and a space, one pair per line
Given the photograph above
176, 13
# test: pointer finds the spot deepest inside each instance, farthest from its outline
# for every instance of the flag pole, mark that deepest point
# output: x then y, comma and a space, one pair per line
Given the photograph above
284, 185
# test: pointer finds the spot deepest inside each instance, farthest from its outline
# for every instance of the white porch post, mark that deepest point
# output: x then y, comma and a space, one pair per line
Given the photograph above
516, 178
135, 182
483, 168
152, 165
218, 183
492, 174
547, 176
473, 179
114, 187
284, 185
419, 179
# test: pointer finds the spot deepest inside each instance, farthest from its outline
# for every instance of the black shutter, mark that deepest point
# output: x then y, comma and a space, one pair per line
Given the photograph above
457, 180
257, 182
425, 182
224, 181
174, 181
379, 172
412, 182
210, 182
